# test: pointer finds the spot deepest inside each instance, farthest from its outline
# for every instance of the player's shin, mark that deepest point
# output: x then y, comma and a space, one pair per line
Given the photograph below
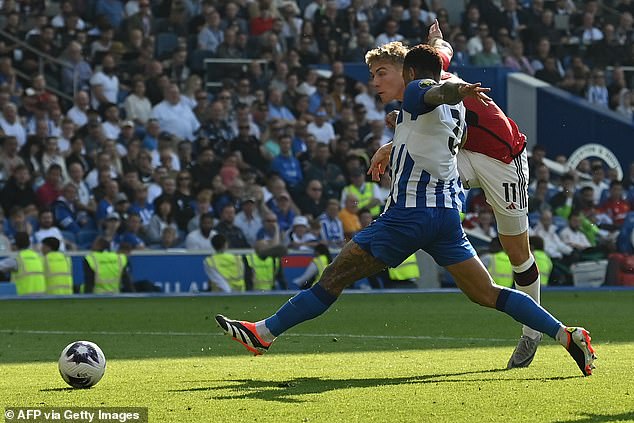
526, 278
304, 306
525, 310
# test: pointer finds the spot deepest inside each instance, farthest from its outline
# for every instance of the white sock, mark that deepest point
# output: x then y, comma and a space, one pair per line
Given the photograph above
264, 332
532, 290
562, 336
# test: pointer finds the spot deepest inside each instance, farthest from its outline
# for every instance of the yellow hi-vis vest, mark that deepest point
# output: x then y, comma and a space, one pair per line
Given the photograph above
58, 272
264, 271
544, 264
108, 267
29, 278
364, 197
321, 262
231, 268
407, 270
501, 269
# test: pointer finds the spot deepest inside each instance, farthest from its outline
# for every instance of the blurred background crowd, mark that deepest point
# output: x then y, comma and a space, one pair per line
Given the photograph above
112, 125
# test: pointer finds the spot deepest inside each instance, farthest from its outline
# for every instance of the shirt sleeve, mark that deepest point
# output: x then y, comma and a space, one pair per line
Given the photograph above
414, 97
310, 271
8, 265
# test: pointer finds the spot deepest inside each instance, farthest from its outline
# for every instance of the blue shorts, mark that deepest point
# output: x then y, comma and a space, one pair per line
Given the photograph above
399, 232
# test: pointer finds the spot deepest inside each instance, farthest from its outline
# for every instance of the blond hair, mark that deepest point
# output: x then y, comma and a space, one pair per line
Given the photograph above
393, 52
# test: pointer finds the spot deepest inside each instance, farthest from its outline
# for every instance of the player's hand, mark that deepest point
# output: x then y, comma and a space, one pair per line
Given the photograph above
475, 91
390, 119
434, 31
379, 162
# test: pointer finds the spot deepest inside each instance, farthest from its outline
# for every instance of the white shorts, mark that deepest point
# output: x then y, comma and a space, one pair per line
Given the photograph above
505, 187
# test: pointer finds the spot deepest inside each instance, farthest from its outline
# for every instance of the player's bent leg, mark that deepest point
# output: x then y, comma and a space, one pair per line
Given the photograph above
351, 264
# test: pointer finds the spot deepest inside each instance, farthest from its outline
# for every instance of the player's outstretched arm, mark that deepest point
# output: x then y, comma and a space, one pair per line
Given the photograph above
454, 93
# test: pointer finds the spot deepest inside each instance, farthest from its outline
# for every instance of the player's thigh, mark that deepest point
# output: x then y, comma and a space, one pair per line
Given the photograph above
465, 169
395, 235
351, 264
473, 279
506, 189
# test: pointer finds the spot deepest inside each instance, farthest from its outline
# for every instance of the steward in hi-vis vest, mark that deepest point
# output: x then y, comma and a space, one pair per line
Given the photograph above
27, 267
225, 270
265, 272
104, 270
58, 269
315, 269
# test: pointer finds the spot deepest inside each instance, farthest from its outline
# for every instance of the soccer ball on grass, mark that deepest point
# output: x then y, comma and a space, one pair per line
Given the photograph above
82, 364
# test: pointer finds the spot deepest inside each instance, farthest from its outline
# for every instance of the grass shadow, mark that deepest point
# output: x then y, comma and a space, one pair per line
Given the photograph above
288, 391
58, 389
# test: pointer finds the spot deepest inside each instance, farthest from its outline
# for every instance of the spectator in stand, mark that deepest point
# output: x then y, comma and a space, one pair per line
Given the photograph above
553, 245
105, 83
484, 226
542, 173
286, 165
52, 187
390, 33
106, 204
616, 207
169, 240
174, 117
11, 125
572, 235
323, 130
51, 155
597, 92
367, 193
331, 226
47, 229
162, 218
299, 237
249, 220
77, 76
132, 233
137, 106
349, 216
516, 60
66, 211
269, 241
487, 57
77, 113
475, 43
202, 207
9, 157
211, 36
200, 239
234, 235
312, 203
597, 183
322, 169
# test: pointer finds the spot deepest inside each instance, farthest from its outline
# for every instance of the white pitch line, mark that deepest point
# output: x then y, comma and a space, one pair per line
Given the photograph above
298, 335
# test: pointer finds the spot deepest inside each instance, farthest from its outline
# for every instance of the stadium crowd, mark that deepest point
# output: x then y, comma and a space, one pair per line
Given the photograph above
136, 149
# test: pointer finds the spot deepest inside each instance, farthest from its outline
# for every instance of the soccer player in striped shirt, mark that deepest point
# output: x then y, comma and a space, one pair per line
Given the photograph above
493, 157
423, 212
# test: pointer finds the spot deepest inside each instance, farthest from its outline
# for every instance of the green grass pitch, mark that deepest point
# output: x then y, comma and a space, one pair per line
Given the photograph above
415, 357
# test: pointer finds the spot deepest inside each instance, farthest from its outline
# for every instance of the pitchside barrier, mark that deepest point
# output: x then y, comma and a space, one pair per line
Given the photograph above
181, 271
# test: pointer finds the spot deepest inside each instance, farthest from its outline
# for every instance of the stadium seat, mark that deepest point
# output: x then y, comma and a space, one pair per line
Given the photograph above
85, 238
166, 42
197, 60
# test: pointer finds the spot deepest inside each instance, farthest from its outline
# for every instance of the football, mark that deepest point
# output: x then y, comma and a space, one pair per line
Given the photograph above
82, 364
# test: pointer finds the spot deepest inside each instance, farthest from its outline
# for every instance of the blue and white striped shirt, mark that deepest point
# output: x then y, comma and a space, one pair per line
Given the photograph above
423, 163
